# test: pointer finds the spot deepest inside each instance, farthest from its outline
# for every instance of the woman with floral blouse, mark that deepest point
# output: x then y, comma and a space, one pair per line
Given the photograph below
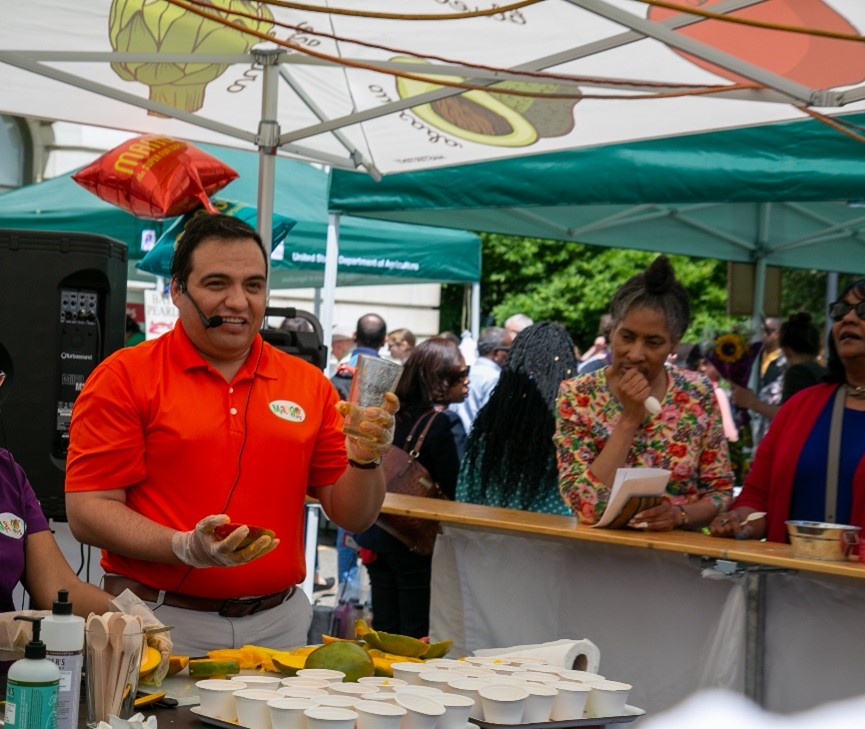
602, 423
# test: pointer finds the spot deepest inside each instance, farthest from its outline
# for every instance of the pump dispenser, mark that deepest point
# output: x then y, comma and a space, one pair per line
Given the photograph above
63, 634
31, 686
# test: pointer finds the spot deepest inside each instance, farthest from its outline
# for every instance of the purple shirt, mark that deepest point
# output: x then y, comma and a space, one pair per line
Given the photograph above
20, 516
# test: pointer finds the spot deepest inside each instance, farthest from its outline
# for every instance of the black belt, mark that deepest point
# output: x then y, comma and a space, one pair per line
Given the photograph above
234, 607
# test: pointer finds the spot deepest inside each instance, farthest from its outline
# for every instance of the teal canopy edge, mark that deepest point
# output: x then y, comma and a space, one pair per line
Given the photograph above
371, 252
791, 161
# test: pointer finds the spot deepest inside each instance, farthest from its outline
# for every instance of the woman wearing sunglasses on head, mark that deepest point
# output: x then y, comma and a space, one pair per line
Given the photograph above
799, 462
434, 375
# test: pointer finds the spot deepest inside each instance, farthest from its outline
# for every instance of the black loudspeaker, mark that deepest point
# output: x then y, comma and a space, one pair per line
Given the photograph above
62, 311
302, 336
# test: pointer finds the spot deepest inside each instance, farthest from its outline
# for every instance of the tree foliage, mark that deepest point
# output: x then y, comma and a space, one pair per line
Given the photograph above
573, 283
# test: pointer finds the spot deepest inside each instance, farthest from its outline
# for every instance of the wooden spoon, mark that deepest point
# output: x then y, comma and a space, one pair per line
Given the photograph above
98, 649
131, 643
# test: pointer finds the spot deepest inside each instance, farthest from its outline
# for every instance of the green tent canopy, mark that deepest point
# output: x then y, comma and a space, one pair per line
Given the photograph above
370, 252
789, 194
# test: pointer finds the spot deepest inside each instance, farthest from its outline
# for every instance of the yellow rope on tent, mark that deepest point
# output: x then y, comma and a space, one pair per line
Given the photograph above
754, 23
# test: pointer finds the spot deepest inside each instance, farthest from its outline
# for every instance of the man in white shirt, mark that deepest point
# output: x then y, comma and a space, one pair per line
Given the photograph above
493, 346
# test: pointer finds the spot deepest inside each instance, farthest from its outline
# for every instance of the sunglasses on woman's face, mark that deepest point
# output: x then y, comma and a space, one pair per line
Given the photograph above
839, 309
459, 376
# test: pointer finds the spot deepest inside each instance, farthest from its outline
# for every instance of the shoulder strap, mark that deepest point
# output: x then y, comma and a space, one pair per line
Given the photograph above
834, 455
414, 451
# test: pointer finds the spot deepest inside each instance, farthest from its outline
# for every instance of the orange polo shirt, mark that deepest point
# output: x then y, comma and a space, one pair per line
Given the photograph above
159, 422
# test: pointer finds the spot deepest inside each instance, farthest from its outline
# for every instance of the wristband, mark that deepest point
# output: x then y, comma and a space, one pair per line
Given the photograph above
366, 466
683, 521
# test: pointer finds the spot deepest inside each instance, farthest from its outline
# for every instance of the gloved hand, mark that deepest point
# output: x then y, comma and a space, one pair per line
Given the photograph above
377, 424
129, 603
201, 548
15, 634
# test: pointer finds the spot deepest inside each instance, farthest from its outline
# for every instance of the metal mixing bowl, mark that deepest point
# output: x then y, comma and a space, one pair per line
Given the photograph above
822, 540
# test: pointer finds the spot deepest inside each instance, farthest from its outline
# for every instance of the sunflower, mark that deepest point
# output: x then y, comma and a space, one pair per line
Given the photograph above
730, 348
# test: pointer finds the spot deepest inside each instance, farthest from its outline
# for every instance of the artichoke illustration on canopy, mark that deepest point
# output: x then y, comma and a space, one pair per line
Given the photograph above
153, 26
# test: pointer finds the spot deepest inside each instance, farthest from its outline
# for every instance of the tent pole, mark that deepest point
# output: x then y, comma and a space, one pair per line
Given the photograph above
831, 295
476, 310
330, 265
267, 140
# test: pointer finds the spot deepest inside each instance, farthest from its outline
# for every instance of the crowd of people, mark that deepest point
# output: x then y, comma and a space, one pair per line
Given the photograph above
173, 439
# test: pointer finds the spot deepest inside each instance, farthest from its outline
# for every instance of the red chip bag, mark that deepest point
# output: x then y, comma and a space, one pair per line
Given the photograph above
156, 177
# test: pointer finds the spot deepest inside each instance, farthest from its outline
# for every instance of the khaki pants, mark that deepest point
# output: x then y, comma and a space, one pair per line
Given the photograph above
194, 633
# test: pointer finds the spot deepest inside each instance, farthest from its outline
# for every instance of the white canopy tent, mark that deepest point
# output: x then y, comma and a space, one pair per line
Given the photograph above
330, 86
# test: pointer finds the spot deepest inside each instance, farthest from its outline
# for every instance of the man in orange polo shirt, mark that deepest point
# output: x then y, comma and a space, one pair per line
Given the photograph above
170, 437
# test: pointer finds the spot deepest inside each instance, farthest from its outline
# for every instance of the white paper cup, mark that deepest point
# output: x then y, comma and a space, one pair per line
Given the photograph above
259, 682
422, 712
306, 682
329, 717
216, 696
408, 671
607, 698
287, 713
328, 674
487, 661
252, 709
380, 696
340, 700
457, 708
437, 678
351, 689
417, 690
539, 704
570, 702
527, 661
380, 715
469, 687
503, 704
547, 668
536, 677
444, 663
381, 681
301, 692
581, 676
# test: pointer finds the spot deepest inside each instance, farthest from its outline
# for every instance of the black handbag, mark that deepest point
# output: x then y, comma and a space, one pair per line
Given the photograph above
404, 474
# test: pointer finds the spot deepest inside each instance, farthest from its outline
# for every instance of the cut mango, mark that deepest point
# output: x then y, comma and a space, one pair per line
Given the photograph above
209, 668
149, 661
288, 663
401, 645
438, 650
176, 664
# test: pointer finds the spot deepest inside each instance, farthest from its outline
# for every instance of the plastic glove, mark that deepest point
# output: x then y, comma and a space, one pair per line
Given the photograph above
15, 634
375, 422
128, 603
201, 548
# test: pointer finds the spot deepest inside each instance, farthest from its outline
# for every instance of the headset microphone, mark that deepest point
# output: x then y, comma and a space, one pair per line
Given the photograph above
209, 322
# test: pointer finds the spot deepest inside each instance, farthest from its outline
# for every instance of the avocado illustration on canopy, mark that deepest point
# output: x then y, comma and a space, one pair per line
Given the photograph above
496, 119
153, 26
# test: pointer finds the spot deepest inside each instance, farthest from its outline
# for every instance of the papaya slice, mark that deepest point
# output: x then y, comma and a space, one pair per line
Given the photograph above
361, 627
210, 668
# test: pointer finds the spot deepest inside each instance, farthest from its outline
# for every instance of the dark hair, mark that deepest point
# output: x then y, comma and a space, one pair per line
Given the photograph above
655, 288
371, 331
510, 446
834, 365
491, 339
295, 324
426, 374
132, 325
799, 334
208, 225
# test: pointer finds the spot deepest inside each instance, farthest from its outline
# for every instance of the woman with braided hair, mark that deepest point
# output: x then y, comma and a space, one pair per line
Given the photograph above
510, 458
603, 422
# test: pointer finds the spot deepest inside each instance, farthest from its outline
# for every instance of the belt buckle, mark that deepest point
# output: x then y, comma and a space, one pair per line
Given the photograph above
240, 607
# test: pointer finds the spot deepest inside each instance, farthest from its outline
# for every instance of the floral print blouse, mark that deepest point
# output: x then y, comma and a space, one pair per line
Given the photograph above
686, 438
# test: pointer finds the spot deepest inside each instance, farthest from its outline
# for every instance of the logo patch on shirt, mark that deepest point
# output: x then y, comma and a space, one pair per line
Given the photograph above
11, 525
288, 410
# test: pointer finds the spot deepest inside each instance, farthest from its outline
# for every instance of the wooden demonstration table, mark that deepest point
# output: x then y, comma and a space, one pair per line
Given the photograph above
671, 612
